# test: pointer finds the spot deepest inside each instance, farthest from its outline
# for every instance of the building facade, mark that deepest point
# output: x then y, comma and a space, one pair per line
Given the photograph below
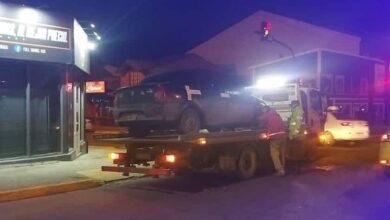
240, 45
44, 60
354, 83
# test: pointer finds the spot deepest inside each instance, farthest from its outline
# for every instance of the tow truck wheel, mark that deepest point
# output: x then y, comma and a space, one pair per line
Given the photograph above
189, 122
247, 163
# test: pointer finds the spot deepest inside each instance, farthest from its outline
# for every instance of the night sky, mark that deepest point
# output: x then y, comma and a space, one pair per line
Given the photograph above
156, 28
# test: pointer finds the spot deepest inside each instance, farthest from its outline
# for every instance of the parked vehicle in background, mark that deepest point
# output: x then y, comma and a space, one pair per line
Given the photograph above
384, 152
340, 127
187, 100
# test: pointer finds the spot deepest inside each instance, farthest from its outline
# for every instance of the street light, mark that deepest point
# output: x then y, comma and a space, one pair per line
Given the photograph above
92, 45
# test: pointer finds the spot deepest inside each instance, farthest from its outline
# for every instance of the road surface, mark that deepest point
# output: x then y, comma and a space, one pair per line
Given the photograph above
356, 190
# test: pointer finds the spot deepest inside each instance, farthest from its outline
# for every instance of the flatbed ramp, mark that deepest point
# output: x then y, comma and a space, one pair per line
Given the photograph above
173, 152
201, 139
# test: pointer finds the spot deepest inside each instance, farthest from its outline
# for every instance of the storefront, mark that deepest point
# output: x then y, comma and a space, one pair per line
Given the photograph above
44, 61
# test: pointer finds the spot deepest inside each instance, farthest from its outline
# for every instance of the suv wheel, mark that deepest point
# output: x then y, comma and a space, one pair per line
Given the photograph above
189, 122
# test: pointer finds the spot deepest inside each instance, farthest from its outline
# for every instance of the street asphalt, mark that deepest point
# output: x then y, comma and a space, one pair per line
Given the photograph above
344, 183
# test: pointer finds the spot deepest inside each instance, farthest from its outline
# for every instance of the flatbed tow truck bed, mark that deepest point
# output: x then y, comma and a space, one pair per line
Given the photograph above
242, 152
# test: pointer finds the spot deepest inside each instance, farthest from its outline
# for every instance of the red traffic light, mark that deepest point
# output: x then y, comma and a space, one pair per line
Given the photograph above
266, 29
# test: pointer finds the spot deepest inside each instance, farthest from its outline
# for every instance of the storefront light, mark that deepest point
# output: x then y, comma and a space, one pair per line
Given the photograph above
28, 15
91, 45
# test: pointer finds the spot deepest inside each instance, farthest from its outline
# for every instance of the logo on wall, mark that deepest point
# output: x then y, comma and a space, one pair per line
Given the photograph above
38, 35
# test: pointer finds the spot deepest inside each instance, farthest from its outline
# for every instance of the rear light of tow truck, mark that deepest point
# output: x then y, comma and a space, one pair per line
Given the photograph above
383, 162
116, 156
170, 158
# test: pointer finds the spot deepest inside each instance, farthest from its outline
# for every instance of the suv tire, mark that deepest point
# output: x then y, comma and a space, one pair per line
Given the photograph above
189, 122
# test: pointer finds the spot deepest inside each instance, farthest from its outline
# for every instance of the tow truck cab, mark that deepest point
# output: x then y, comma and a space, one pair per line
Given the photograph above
310, 99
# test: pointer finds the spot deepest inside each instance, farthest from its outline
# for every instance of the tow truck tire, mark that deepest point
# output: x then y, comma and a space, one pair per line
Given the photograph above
190, 122
247, 163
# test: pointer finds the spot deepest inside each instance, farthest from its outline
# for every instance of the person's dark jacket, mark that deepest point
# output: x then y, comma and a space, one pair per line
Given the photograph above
273, 124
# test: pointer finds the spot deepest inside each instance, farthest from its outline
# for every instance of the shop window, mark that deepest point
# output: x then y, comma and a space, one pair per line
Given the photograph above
339, 84
44, 109
326, 84
315, 101
364, 86
360, 111
13, 83
347, 85
379, 114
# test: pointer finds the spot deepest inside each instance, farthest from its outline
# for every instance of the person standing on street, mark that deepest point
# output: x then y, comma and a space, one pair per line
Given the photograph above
274, 125
295, 125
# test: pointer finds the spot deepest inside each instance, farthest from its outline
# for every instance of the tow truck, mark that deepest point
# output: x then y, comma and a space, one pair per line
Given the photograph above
242, 152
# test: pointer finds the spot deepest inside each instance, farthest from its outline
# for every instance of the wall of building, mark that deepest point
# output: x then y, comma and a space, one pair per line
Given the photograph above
240, 46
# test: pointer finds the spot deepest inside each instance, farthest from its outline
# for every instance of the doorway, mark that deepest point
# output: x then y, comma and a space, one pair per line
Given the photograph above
77, 119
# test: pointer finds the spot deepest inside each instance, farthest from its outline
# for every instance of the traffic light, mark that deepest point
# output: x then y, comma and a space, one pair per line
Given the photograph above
266, 30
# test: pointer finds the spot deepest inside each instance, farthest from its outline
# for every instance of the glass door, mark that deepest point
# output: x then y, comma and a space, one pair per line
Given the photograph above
76, 118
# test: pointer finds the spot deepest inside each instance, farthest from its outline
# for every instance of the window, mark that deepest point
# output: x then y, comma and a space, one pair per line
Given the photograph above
326, 84
44, 109
360, 111
339, 84
315, 101
343, 113
13, 84
363, 85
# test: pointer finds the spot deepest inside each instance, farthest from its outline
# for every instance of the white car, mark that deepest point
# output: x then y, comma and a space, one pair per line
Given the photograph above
337, 127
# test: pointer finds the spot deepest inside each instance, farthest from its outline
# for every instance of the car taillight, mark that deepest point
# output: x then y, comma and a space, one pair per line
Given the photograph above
160, 94
345, 123
385, 137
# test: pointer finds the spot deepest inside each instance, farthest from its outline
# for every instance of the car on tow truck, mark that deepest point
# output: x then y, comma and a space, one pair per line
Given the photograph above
187, 101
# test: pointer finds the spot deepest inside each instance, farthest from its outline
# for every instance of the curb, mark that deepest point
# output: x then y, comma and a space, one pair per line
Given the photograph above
45, 190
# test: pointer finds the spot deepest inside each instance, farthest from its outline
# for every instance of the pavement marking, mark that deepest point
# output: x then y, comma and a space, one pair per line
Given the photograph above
45, 190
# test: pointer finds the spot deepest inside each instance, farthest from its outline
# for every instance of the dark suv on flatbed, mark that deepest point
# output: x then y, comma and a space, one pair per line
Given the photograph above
186, 101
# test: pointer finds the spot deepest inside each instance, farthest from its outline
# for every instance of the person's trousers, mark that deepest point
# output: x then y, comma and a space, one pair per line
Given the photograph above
277, 149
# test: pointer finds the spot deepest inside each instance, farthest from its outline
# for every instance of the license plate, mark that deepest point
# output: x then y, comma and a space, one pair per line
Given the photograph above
131, 117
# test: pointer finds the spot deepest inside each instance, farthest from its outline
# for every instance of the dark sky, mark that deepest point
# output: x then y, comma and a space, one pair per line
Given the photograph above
156, 28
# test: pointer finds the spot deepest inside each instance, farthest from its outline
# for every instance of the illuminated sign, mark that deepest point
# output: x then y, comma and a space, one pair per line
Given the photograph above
39, 35
95, 87
68, 87
32, 34
81, 51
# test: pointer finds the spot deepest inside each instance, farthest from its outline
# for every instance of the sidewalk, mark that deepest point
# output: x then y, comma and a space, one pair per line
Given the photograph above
28, 180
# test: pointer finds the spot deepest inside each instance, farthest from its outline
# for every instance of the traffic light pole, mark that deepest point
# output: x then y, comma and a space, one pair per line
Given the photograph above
283, 45
271, 39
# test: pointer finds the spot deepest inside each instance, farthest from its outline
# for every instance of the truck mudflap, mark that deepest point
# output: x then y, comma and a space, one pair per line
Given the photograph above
147, 171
